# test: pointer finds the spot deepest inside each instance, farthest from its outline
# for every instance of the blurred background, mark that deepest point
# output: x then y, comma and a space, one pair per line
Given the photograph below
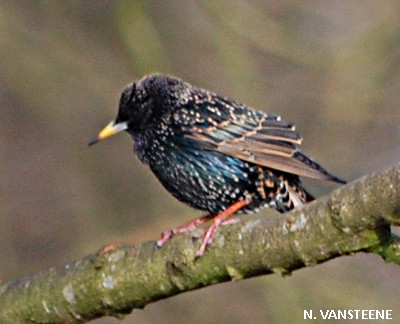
331, 67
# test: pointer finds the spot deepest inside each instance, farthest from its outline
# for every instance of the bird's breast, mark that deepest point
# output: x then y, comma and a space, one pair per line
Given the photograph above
207, 180
140, 145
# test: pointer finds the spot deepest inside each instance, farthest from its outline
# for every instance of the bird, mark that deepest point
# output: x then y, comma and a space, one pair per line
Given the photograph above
213, 153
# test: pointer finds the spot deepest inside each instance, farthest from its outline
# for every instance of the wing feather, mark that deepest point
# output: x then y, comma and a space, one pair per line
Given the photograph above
256, 137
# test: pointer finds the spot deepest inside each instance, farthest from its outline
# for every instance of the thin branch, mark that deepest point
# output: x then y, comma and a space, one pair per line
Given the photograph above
115, 280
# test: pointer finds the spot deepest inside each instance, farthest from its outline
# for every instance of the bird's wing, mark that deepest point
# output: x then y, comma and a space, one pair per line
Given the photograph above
256, 137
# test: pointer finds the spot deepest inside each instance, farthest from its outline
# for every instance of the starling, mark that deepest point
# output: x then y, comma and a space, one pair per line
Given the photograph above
213, 153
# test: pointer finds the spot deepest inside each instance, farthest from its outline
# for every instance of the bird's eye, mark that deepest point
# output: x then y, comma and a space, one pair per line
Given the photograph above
132, 92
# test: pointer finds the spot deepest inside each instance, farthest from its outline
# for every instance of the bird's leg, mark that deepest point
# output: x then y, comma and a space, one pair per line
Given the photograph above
217, 221
231, 221
190, 226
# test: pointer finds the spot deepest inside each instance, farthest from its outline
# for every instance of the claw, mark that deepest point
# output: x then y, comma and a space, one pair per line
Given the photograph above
219, 219
190, 226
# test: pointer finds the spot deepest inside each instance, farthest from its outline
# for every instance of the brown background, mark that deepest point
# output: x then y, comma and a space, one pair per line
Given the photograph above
331, 67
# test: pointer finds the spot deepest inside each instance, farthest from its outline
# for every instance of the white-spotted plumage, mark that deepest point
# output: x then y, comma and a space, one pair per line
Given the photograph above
214, 153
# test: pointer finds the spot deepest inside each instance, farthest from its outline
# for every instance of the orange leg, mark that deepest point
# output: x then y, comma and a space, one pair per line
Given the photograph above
217, 221
109, 248
190, 226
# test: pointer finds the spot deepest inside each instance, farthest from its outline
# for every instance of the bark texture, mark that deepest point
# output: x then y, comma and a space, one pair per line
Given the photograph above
117, 279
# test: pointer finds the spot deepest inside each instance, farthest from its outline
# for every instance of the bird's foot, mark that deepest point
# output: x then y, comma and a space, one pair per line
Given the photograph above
190, 226
219, 219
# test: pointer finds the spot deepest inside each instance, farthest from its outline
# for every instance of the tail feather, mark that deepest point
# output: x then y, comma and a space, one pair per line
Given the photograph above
314, 165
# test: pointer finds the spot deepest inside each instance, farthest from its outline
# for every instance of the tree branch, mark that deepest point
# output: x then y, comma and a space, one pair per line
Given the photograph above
115, 280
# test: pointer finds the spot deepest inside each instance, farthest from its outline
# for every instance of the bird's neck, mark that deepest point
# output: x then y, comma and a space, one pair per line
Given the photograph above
140, 143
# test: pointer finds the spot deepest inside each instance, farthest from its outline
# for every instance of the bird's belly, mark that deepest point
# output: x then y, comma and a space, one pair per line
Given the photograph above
207, 180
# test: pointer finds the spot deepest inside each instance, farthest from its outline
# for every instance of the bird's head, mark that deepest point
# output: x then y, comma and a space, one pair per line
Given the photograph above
142, 104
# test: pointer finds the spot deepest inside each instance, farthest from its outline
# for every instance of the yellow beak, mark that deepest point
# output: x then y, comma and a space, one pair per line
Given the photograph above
110, 130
